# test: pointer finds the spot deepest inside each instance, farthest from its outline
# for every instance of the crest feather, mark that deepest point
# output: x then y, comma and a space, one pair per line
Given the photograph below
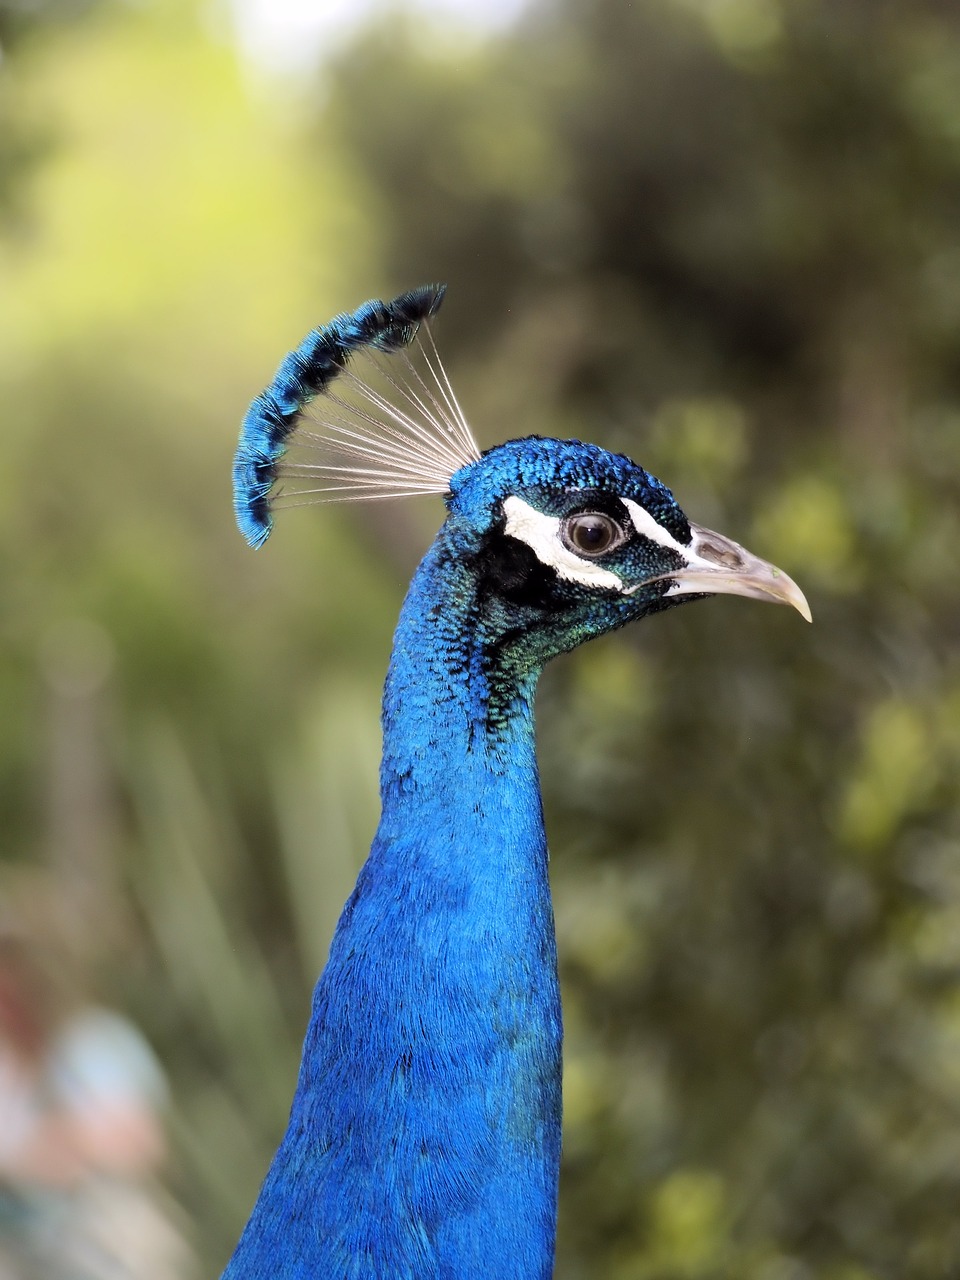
394, 431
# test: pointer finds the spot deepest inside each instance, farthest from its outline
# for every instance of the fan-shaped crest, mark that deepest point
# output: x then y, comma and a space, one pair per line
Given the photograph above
362, 409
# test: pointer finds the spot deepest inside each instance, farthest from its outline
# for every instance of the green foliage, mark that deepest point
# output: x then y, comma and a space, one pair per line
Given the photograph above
727, 267
24, 140
718, 234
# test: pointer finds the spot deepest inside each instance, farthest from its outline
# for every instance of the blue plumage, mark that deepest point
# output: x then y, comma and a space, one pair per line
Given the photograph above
424, 1137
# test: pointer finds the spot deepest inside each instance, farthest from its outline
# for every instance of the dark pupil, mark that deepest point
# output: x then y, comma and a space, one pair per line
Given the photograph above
592, 533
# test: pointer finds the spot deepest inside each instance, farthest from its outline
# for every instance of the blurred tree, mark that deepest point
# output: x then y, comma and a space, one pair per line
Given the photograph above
22, 140
724, 237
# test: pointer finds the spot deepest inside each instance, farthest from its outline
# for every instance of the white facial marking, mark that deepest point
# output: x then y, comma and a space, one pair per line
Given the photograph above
541, 533
647, 527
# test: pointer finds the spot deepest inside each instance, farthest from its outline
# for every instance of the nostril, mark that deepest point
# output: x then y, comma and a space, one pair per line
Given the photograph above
726, 556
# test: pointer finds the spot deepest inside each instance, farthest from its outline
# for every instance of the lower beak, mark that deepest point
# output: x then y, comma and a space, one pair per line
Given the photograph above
722, 567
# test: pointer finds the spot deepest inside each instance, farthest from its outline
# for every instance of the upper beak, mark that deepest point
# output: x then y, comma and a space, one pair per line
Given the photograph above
720, 566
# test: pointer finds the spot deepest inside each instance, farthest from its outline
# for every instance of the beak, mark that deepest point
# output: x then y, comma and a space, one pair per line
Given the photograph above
719, 566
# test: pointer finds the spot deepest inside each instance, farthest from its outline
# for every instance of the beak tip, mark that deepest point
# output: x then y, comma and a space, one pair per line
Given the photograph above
738, 572
799, 602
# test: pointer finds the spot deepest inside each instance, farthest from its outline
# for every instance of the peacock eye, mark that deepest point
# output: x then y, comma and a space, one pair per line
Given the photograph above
590, 533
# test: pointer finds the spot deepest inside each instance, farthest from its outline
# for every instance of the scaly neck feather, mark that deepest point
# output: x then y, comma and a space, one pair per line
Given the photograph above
424, 1138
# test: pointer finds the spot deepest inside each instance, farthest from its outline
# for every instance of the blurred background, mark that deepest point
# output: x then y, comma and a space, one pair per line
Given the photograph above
720, 235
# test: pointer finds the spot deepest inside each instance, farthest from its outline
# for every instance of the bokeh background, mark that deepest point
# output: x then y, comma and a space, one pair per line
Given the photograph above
720, 235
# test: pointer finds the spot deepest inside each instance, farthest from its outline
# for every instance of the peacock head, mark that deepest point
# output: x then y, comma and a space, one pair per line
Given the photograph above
580, 541
562, 540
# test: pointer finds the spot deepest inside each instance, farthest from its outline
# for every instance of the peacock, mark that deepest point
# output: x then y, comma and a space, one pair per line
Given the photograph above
424, 1136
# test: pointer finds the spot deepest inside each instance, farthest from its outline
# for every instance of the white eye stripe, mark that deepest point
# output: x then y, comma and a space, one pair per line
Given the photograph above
701, 540
541, 533
647, 527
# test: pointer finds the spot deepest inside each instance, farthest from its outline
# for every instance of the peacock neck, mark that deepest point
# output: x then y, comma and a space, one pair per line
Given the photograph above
424, 1139
457, 724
